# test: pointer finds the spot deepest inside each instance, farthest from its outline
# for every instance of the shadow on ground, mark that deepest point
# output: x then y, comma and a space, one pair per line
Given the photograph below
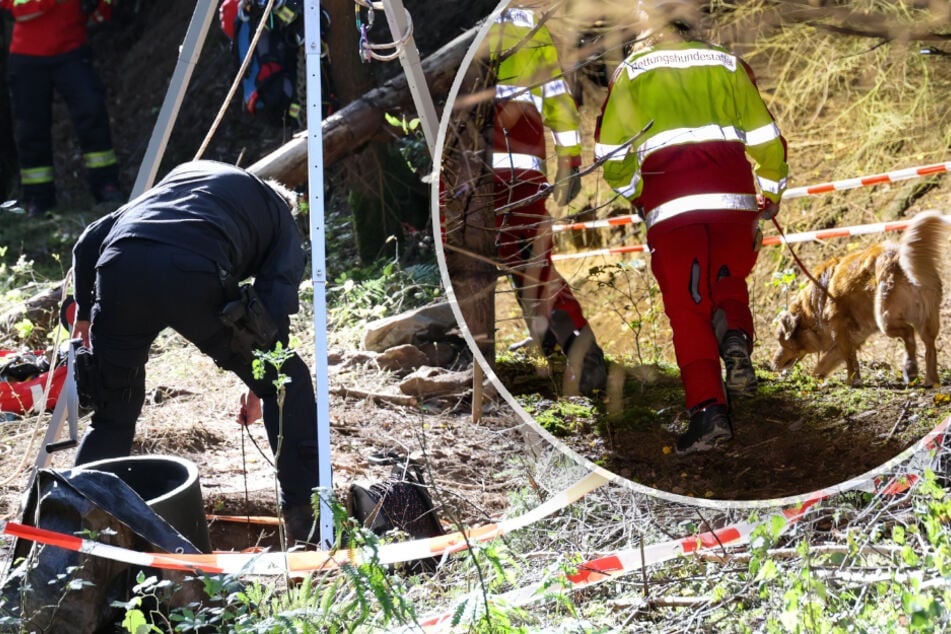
794, 437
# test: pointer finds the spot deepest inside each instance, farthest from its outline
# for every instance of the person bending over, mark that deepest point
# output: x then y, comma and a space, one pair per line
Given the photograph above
174, 257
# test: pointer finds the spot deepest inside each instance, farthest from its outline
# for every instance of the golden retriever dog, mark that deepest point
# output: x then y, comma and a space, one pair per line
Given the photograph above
892, 288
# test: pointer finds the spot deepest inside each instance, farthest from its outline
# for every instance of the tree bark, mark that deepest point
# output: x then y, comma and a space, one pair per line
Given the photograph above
9, 171
363, 173
467, 207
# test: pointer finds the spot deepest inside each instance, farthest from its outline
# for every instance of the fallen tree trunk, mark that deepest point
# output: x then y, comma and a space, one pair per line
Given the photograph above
358, 122
42, 309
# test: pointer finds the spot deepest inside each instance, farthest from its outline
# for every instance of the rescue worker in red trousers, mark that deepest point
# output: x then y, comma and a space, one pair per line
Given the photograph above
690, 178
49, 51
532, 94
173, 257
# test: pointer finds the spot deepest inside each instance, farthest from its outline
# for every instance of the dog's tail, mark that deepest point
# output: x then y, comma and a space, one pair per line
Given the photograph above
922, 250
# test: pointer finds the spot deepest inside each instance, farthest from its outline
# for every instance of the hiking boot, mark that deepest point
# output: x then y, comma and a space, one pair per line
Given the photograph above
586, 372
740, 375
707, 427
594, 371
299, 524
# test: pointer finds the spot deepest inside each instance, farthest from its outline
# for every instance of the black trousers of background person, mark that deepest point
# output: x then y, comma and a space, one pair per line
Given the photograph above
143, 287
32, 80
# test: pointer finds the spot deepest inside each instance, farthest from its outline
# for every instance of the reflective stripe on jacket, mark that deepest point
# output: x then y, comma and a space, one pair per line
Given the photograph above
707, 115
531, 94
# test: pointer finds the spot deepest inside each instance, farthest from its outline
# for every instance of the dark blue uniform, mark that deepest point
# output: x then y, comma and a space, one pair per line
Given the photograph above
172, 258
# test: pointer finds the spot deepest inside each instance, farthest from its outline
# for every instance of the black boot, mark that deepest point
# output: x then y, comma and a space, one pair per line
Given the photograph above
37, 201
586, 363
299, 525
740, 375
587, 372
707, 427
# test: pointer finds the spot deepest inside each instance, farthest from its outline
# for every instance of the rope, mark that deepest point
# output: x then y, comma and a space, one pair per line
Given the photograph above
800, 263
18, 470
237, 81
247, 495
367, 48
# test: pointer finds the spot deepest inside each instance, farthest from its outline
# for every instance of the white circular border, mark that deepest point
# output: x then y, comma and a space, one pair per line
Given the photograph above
479, 358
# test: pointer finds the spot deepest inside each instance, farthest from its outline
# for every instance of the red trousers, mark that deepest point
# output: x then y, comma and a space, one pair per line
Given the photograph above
524, 245
701, 270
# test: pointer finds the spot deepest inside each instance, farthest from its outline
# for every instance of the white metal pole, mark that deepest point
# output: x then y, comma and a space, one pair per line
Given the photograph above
187, 58
413, 69
315, 173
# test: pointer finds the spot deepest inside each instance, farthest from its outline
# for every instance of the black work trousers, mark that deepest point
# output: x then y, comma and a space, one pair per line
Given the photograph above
32, 80
143, 287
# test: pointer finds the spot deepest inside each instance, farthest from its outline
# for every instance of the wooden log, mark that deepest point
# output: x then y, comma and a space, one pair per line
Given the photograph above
41, 309
357, 123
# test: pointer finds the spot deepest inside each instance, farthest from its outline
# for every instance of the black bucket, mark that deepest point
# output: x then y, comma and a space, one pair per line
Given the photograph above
147, 503
169, 485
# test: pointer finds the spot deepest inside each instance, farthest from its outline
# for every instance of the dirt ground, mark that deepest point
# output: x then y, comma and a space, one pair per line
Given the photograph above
790, 439
190, 412
192, 405
795, 436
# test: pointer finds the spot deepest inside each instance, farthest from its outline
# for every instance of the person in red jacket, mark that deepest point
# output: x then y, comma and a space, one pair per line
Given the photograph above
531, 95
49, 51
682, 122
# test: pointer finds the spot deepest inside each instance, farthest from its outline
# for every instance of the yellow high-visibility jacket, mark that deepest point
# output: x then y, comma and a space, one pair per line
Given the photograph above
706, 118
531, 94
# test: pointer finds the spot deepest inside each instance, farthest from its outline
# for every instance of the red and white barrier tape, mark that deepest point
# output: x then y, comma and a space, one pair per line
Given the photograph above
267, 563
632, 248
628, 561
865, 181
843, 232
619, 564
795, 192
790, 238
592, 572
601, 223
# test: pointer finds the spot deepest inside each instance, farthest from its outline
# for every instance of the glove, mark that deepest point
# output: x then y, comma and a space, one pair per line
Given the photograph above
567, 183
767, 208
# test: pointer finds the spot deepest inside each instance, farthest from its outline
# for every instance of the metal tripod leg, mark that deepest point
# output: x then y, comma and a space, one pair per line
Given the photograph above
66, 411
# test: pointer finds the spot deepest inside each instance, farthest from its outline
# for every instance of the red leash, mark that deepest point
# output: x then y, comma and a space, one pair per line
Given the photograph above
799, 262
